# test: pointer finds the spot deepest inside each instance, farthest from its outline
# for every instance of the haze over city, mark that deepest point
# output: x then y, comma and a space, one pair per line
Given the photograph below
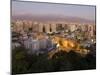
48, 11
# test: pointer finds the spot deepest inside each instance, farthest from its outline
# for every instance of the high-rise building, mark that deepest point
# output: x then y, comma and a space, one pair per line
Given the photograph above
46, 27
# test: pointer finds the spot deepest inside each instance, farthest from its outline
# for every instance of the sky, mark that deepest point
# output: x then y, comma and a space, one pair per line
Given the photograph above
37, 8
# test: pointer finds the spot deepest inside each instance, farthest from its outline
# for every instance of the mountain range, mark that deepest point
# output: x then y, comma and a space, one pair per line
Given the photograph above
51, 18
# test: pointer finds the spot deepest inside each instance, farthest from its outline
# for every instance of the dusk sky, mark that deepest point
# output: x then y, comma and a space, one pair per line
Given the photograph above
35, 8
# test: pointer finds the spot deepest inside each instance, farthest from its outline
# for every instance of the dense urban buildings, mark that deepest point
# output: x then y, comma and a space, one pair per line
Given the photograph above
52, 37
23, 25
36, 35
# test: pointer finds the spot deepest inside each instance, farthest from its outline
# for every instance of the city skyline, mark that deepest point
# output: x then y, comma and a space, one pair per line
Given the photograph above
38, 8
